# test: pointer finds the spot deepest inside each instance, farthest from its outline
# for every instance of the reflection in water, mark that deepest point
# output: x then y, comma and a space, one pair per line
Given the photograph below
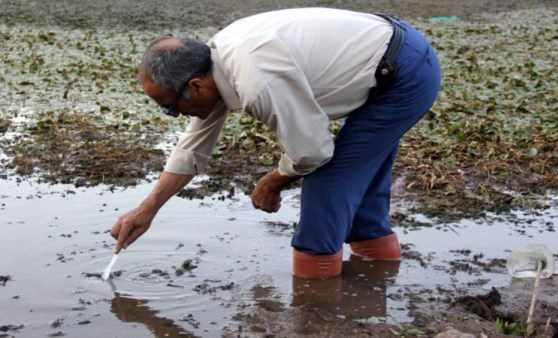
135, 310
359, 293
364, 287
235, 243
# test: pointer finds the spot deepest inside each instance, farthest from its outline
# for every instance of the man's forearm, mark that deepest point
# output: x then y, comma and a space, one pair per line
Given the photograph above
167, 186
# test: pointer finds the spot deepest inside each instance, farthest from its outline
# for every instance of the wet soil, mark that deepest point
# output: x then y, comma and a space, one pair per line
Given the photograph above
468, 309
195, 14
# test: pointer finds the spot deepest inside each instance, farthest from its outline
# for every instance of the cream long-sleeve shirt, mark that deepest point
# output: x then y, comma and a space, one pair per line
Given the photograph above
294, 70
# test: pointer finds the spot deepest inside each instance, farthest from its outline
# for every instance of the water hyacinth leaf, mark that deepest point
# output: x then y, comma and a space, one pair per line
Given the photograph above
135, 128
531, 152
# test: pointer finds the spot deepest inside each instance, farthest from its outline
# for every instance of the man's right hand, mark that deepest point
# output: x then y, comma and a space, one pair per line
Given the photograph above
130, 227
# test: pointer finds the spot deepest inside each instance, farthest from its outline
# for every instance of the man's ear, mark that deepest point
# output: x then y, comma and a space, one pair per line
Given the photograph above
196, 84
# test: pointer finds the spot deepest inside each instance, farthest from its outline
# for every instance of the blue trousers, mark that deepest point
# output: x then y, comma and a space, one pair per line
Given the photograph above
348, 199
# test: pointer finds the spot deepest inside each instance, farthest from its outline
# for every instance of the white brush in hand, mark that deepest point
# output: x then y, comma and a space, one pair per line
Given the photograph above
106, 272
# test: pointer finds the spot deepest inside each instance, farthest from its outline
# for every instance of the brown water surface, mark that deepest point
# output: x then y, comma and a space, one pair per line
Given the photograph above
205, 265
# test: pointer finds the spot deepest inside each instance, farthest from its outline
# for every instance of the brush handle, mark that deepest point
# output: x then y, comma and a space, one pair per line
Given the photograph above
106, 273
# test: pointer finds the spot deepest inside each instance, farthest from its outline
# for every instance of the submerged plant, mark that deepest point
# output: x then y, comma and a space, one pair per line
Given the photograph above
507, 328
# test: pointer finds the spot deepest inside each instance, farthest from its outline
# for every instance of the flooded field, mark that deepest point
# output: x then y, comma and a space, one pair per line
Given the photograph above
211, 267
79, 143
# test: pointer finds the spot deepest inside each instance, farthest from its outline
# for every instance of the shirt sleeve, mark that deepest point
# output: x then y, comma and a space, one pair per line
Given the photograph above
193, 151
287, 106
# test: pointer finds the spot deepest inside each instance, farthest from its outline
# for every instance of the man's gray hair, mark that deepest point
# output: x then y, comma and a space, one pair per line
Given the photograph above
171, 66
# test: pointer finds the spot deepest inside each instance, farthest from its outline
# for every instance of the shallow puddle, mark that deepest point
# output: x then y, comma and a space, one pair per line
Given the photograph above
205, 262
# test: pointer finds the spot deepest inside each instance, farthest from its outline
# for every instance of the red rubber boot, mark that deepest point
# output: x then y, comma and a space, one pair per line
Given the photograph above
317, 266
383, 249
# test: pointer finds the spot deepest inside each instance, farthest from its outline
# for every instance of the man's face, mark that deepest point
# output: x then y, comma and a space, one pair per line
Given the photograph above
198, 100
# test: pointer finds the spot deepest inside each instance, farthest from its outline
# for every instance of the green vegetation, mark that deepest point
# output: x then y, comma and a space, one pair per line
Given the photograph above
509, 329
491, 141
71, 111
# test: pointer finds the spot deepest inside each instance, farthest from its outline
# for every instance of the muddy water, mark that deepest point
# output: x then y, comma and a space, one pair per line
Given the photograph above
205, 261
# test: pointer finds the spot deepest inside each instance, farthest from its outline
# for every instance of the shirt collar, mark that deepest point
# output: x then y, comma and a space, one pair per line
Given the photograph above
225, 88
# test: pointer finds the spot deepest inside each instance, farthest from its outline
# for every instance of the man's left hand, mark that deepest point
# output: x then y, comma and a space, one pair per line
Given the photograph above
267, 193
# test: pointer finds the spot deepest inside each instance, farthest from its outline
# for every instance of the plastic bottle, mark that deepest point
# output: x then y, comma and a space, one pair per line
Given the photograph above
523, 261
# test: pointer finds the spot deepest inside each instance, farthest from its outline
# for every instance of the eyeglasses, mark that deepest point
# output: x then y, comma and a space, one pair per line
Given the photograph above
169, 109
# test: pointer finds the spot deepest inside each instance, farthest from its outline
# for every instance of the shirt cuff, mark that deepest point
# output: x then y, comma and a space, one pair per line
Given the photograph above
186, 162
289, 169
